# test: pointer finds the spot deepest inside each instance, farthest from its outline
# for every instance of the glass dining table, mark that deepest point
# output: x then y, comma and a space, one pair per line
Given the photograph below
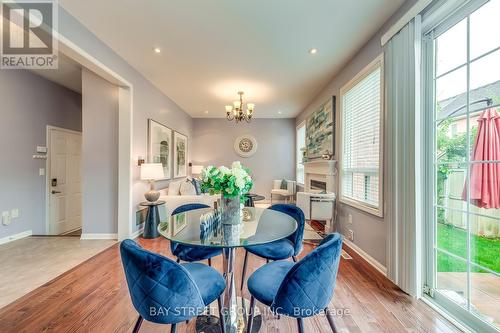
258, 226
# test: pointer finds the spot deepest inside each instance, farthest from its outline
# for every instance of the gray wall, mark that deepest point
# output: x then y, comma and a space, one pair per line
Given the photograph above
369, 230
214, 140
99, 154
28, 104
148, 102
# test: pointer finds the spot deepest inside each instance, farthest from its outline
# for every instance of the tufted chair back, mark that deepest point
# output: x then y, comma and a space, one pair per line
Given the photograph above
182, 209
308, 287
162, 291
297, 213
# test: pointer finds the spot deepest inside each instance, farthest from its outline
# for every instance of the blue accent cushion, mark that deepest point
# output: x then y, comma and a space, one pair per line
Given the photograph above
157, 284
277, 250
264, 283
192, 253
306, 287
210, 283
197, 185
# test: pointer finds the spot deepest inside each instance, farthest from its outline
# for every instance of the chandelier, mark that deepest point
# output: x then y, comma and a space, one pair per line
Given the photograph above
235, 112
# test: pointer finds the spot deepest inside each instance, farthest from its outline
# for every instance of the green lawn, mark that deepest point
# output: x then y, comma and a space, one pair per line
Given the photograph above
484, 251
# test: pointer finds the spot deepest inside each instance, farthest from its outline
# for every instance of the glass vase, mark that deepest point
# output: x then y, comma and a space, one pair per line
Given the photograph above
231, 210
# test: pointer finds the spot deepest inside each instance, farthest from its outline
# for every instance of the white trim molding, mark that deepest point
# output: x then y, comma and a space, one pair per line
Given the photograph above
99, 236
17, 236
372, 261
136, 233
417, 8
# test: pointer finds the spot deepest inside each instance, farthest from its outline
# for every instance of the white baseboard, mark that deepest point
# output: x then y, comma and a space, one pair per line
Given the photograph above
17, 236
136, 234
68, 232
378, 266
99, 236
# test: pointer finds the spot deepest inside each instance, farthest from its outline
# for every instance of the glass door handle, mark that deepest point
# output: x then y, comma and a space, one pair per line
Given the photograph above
55, 192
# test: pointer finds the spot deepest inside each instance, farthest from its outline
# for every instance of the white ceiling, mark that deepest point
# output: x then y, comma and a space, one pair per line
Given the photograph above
212, 49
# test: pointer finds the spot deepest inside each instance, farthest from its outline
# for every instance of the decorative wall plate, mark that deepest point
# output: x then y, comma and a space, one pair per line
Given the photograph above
245, 145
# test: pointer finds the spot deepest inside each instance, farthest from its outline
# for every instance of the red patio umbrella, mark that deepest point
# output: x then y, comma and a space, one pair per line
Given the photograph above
485, 177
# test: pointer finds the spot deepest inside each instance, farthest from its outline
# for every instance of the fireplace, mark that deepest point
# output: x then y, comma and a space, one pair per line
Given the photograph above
320, 176
317, 185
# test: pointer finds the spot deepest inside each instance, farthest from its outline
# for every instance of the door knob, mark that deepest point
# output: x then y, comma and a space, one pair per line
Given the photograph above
55, 192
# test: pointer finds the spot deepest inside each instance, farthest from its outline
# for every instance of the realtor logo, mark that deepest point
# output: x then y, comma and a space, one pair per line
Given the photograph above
27, 34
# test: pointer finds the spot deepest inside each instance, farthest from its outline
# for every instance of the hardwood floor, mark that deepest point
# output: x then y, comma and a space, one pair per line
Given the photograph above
93, 297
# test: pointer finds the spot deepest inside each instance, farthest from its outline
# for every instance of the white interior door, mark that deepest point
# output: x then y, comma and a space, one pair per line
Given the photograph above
64, 181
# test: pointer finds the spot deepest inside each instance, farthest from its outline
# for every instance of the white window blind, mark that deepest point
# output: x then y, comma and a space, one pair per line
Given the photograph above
301, 143
361, 152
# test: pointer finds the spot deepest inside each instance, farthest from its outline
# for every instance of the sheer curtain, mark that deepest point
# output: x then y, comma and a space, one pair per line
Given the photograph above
402, 128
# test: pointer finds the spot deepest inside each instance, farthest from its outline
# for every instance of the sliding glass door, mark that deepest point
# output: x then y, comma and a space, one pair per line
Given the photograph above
463, 235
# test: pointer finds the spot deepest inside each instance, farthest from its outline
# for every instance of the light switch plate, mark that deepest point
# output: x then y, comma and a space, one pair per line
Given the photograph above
41, 149
6, 218
14, 213
349, 219
41, 172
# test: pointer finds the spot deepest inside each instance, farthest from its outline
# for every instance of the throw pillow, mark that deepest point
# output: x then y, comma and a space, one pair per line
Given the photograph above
284, 185
187, 188
173, 188
197, 186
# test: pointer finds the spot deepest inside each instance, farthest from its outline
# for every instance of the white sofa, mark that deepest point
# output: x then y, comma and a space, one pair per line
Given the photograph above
174, 201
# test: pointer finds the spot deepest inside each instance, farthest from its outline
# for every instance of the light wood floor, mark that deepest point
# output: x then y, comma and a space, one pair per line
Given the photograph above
28, 263
93, 297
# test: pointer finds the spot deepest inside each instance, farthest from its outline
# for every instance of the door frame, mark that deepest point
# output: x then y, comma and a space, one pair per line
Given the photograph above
47, 168
461, 317
125, 221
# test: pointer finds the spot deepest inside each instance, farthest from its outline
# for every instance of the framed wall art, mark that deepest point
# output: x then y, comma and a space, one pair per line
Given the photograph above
180, 155
160, 146
320, 131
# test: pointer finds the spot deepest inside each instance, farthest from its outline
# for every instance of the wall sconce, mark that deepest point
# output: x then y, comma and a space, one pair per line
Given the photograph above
140, 161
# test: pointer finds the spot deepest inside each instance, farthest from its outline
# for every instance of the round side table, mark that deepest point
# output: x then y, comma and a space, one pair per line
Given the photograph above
152, 219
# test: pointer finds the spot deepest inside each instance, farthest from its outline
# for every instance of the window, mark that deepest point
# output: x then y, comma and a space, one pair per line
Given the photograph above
301, 145
361, 109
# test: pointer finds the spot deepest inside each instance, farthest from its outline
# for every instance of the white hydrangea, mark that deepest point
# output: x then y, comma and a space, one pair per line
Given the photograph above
236, 165
224, 170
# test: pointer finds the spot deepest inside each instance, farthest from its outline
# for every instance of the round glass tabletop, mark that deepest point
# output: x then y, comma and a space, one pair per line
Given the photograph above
259, 226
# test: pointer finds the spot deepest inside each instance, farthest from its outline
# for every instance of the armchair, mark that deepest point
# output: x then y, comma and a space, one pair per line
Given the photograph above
288, 193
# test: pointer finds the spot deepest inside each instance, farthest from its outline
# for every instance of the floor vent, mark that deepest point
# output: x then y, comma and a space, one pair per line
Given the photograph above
346, 255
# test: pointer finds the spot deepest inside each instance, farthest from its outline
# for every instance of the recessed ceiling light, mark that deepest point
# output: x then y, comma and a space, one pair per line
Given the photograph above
313, 51
280, 112
157, 50
206, 111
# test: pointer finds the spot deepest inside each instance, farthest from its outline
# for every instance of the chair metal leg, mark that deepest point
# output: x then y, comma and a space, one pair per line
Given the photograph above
210, 262
294, 258
267, 261
300, 323
221, 315
244, 271
137, 325
178, 260
330, 320
173, 328
250, 315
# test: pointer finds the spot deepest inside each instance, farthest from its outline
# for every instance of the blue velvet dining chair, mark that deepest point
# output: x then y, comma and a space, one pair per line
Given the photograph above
165, 292
192, 253
301, 289
283, 248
